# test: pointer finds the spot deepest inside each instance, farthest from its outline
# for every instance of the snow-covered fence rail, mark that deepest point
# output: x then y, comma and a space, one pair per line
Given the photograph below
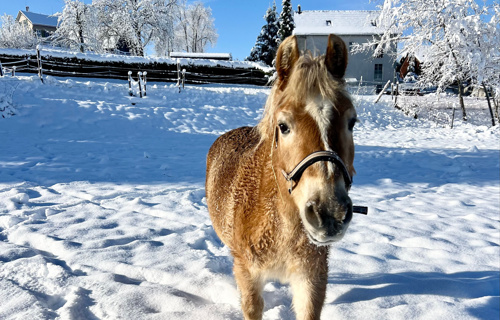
12, 66
117, 67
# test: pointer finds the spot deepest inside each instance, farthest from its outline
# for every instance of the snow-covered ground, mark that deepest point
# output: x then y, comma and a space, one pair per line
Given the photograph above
103, 215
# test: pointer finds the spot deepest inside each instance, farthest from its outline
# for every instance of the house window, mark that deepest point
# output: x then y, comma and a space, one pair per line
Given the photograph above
328, 22
377, 76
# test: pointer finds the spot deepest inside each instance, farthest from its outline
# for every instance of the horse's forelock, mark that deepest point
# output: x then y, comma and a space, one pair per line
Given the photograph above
309, 78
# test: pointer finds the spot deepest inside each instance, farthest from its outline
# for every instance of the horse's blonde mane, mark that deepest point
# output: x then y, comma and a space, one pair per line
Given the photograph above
309, 78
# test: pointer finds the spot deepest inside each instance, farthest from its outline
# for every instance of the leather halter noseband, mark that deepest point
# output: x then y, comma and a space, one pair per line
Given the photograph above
296, 173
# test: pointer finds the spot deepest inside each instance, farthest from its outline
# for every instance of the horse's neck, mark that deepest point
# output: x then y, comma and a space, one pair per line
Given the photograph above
274, 191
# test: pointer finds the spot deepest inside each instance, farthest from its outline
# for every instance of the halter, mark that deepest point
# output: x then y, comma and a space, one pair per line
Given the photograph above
296, 173
294, 176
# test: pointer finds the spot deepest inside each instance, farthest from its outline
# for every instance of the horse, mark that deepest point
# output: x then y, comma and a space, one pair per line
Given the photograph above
277, 193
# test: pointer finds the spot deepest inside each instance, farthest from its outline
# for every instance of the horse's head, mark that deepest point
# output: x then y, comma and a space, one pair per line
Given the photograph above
309, 110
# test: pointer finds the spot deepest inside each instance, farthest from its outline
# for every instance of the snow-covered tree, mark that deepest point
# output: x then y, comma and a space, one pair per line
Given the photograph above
137, 22
164, 35
488, 43
78, 27
16, 35
267, 42
286, 24
448, 29
195, 27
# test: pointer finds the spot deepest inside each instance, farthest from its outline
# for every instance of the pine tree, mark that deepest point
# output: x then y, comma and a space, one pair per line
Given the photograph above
267, 42
286, 24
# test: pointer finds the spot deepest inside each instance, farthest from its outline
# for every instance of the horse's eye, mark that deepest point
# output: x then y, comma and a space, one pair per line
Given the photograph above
351, 123
284, 128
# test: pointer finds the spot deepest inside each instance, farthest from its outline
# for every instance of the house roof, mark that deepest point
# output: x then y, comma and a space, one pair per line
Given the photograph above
39, 19
340, 22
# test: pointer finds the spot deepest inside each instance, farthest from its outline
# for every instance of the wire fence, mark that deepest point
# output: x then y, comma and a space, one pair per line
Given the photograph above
157, 71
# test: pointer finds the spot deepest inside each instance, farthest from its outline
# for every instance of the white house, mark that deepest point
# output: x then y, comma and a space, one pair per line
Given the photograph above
313, 27
43, 25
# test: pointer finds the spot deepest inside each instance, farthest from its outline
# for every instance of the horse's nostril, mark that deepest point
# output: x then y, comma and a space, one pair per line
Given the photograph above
312, 214
348, 212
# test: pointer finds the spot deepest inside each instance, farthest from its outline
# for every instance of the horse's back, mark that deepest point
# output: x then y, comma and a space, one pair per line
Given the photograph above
228, 164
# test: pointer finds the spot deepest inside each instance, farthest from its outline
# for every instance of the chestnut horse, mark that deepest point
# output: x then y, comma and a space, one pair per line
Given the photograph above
277, 193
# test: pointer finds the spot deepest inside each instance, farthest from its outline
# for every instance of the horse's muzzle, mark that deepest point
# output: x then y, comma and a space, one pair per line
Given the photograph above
327, 223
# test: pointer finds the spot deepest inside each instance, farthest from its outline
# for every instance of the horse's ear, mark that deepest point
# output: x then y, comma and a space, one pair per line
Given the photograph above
288, 54
336, 56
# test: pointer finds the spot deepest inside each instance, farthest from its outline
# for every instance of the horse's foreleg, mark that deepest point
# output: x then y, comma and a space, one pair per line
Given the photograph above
309, 296
250, 287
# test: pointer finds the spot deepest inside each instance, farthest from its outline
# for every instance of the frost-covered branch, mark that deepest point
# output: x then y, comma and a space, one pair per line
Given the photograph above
455, 39
16, 35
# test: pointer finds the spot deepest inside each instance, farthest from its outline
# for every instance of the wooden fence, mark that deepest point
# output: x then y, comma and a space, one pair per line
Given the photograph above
157, 71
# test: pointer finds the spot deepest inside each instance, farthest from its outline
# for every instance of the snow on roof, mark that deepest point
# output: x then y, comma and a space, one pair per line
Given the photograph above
348, 22
40, 19
204, 55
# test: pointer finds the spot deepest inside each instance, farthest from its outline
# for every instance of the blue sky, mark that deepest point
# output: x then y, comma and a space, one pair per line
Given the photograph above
238, 22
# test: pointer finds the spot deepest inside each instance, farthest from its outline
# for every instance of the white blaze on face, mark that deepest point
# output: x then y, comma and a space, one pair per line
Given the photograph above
321, 110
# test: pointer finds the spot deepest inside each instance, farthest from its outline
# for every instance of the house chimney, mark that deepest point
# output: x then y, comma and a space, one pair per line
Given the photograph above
27, 8
299, 9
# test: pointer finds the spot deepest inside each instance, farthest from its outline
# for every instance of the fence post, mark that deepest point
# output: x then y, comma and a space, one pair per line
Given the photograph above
13, 71
396, 96
489, 104
1, 69
130, 93
183, 77
144, 74
139, 75
179, 75
453, 116
383, 90
39, 59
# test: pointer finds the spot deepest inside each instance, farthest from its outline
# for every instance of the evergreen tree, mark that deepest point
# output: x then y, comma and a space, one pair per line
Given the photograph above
286, 24
267, 42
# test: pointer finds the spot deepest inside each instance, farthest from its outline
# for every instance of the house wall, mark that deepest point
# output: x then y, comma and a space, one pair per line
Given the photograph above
43, 31
360, 64
40, 30
23, 19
